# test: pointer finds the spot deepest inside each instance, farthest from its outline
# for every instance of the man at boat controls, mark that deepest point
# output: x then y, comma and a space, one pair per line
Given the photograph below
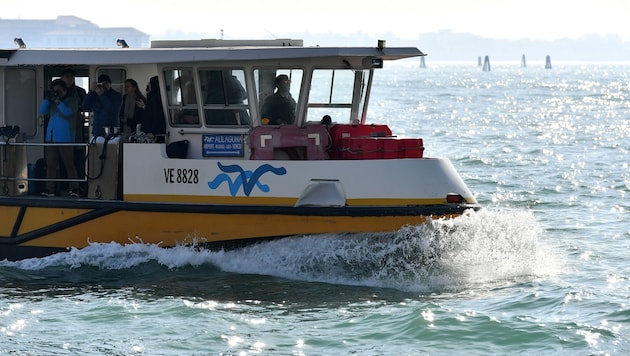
62, 109
279, 108
105, 102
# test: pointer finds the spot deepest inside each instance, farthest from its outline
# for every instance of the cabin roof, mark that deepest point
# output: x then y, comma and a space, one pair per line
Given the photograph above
121, 56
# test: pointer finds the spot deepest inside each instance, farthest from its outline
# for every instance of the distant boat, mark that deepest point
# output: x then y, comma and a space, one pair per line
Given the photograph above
548, 62
523, 64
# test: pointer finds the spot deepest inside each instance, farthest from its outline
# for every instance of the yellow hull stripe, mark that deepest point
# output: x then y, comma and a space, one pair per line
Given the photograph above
37, 218
169, 229
8, 215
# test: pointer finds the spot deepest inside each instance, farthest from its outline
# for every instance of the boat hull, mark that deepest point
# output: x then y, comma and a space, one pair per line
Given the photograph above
36, 227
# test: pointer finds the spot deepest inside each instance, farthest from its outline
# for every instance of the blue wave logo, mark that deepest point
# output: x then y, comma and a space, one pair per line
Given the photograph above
246, 179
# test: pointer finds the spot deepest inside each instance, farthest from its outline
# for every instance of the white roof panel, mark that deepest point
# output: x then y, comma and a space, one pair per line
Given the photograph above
119, 56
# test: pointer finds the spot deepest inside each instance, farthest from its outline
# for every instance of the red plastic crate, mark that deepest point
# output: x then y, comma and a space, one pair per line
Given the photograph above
359, 148
410, 148
389, 147
339, 132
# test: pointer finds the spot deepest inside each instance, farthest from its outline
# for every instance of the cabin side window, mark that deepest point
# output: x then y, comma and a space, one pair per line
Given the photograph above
181, 94
21, 100
225, 97
338, 93
278, 92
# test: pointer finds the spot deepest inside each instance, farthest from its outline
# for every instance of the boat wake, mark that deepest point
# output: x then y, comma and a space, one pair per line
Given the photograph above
442, 255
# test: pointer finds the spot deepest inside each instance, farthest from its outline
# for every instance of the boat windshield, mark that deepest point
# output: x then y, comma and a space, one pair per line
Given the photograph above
270, 84
338, 93
218, 97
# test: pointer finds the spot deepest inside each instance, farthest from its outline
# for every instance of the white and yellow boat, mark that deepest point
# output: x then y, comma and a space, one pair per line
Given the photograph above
237, 180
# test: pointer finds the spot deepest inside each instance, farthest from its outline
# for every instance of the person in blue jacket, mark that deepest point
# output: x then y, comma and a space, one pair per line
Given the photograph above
105, 102
62, 110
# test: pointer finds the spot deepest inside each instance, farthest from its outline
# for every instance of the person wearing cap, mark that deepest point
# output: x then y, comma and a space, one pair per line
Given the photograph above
68, 76
279, 108
105, 102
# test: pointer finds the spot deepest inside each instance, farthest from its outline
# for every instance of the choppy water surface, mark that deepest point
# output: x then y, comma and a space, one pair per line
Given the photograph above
543, 269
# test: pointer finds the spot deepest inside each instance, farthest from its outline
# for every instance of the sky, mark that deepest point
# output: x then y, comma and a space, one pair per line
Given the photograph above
407, 19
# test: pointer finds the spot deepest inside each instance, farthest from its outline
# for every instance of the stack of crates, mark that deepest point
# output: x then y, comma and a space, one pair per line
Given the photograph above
372, 142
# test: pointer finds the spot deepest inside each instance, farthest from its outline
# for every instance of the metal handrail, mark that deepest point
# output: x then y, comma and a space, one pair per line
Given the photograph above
84, 145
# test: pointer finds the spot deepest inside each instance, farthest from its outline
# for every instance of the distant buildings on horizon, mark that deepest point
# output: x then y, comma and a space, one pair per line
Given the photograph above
71, 31
65, 32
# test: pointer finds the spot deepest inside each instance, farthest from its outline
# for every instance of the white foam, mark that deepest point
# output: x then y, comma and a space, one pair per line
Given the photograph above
447, 255
476, 248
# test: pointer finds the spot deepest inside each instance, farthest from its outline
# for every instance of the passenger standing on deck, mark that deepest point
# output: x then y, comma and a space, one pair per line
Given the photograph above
132, 110
279, 108
105, 102
62, 108
154, 122
68, 76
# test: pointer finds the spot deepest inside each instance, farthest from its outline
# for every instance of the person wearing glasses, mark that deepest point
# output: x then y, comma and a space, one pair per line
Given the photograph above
279, 107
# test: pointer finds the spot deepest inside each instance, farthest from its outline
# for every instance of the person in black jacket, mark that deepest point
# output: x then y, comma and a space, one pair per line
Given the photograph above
154, 122
279, 108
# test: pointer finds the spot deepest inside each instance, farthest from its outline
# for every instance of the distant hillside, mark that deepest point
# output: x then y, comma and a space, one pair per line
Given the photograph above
457, 46
453, 46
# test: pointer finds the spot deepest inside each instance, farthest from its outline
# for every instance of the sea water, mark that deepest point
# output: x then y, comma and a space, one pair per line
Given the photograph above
542, 269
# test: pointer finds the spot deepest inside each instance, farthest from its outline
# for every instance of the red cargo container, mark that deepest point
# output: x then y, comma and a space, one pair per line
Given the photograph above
389, 147
341, 131
410, 148
359, 148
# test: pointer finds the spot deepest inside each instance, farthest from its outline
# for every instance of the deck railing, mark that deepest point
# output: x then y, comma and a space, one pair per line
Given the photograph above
19, 163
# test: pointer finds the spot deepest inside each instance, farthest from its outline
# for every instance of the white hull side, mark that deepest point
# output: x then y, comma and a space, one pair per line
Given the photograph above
148, 172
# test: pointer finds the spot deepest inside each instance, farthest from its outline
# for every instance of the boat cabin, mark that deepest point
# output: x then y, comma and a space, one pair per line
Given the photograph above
213, 93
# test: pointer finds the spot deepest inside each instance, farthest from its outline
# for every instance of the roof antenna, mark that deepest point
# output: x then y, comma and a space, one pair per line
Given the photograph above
274, 36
